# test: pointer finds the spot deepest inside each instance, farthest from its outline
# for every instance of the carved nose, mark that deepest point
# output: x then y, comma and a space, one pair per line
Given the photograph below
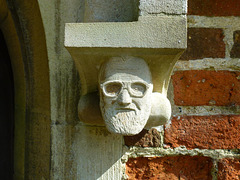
124, 98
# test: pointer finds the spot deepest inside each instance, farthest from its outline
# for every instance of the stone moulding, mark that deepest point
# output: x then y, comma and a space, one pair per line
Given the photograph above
158, 40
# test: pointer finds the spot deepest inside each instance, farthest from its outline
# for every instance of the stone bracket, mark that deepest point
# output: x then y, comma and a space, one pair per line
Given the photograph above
159, 40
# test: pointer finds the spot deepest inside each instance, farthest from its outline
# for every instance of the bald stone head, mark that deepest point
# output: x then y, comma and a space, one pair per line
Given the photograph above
125, 94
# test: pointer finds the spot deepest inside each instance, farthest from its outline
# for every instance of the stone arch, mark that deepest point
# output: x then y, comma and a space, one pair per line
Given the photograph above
21, 24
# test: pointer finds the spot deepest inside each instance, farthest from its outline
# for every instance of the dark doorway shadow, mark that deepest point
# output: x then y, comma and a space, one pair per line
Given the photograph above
6, 113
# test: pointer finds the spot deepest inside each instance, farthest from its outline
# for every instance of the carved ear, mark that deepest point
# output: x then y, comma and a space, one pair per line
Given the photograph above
160, 112
89, 110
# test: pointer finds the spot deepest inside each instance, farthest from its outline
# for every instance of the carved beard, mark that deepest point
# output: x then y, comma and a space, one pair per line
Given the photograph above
125, 122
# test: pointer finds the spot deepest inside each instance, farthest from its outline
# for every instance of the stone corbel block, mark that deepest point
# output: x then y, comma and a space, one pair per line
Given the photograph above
135, 61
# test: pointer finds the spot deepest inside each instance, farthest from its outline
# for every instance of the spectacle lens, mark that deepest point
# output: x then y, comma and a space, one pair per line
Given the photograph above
138, 89
135, 89
113, 88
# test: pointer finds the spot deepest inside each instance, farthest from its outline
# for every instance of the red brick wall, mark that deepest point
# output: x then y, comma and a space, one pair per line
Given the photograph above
178, 167
203, 139
214, 7
204, 87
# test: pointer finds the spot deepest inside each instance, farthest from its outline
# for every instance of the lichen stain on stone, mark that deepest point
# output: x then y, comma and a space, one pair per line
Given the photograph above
100, 132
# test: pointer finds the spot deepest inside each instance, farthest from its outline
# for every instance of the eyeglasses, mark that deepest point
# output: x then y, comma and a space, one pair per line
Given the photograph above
114, 88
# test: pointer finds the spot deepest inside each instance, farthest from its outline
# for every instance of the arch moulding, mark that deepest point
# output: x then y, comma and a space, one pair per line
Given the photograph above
21, 24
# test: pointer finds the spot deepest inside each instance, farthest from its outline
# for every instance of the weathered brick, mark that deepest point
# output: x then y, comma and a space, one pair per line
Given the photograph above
174, 168
204, 132
235, 51
146, 138
229, 169
214, 7
204, 43
200, 87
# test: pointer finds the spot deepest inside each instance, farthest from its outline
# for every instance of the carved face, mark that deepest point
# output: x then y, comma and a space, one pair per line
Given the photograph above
126, 89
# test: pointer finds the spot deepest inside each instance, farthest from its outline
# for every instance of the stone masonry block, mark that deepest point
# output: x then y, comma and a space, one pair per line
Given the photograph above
174, 168
229, 169
146, 138
204, 43
163, 6
200, 87
110, 11
204, 132
214, 7
147, 32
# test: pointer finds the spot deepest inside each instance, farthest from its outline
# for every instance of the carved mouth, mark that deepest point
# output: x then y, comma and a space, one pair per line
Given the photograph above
125, 109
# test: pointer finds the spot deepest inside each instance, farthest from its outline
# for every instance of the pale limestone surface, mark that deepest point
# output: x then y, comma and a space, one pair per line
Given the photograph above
163, 7
92, 44
160, 66
73, 142
106, 11
64, 88
148, 32
161, 111
96, 153
122, 110
125, 94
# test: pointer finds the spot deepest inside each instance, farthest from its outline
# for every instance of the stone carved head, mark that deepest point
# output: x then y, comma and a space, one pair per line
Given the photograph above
125, 94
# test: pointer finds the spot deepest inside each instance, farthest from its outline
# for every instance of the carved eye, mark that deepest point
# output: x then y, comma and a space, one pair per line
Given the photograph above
138, 89
113, 89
